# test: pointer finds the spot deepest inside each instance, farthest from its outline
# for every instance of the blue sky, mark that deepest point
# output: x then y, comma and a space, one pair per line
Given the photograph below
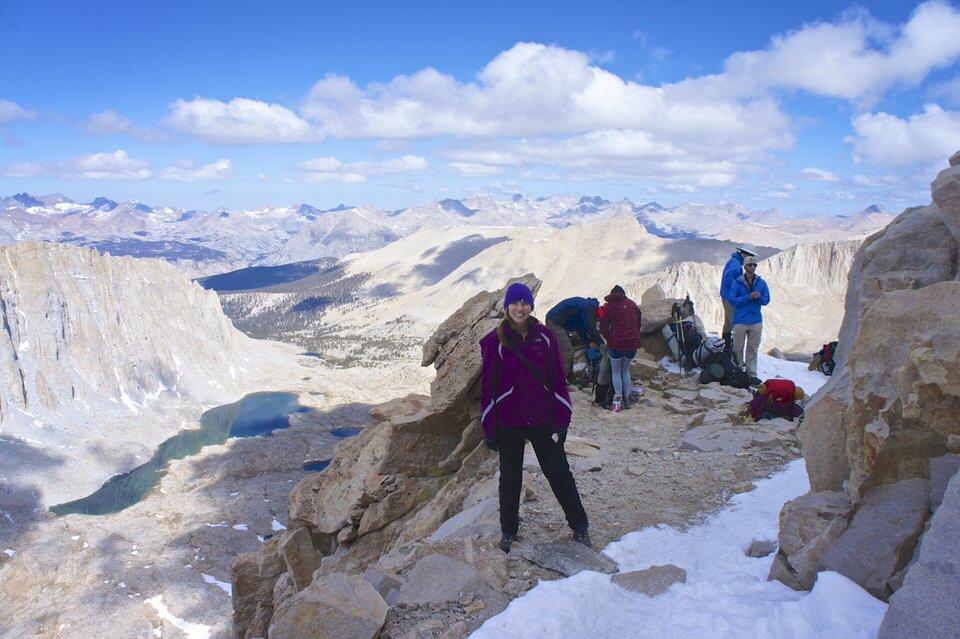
816, 107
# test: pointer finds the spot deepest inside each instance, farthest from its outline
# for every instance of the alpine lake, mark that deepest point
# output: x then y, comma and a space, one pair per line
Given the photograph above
256, 414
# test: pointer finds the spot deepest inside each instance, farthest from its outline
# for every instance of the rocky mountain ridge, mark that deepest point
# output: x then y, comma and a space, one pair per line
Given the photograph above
207, 242
394, 295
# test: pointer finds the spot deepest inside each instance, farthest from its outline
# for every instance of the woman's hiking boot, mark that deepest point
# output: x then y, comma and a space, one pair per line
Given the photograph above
582, 537
505, 542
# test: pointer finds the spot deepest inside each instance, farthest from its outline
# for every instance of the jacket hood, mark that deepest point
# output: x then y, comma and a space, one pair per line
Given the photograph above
614, 297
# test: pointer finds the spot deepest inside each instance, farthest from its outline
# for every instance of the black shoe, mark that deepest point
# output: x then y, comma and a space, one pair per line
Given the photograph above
625, 404
505, 542
582, 537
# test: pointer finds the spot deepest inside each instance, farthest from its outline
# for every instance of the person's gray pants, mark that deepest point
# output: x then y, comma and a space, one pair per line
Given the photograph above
751, 334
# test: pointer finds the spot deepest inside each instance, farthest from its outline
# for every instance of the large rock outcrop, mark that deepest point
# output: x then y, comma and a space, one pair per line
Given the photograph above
871, 434
411, 470
102, 358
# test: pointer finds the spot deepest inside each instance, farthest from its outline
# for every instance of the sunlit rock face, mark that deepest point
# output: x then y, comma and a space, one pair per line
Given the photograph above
872, 433
103, 357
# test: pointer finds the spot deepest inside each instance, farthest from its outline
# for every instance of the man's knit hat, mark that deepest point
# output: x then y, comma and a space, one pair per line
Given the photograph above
517, 292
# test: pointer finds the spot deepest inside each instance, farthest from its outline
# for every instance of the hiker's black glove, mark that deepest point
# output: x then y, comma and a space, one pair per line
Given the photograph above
491, 443
560, 436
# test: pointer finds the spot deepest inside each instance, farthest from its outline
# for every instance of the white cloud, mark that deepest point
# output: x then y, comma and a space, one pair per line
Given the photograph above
470, 169
886, 140
187, 171
12, 112
330, 169
855, 58
105, 166
240, 121
92, 166
813, 173
611, 154
110, 122
531, 90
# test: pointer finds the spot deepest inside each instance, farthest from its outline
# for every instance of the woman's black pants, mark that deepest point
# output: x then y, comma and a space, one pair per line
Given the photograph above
553, 463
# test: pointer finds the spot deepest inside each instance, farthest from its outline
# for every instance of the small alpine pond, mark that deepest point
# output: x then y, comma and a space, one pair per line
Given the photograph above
255, 414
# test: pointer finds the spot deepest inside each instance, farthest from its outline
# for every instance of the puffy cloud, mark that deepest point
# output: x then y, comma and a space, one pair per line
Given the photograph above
534, 89
240, 121
855, 58
106, 166
92, 166
822, 175
330, 169
187, 171
11, 112
886, 140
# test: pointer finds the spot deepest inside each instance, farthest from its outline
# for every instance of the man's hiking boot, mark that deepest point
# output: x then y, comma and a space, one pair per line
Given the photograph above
505, 542
755, 381
582, 537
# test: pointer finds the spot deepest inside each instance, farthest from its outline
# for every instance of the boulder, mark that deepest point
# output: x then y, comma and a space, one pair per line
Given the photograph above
942, 470
882, 535
445, 573
334, 606
300, 555
927, 604
252, 579
567, 558
809, 525
653, 294
652, 581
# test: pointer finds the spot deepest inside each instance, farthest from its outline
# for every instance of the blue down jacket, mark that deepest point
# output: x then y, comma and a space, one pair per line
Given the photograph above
746, 310
731, 271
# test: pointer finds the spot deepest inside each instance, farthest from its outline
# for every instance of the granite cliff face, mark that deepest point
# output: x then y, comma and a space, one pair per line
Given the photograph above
102, 357
881, 438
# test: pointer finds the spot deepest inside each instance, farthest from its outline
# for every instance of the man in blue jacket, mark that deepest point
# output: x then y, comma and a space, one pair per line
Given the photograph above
577, 315
731, 271
748, 294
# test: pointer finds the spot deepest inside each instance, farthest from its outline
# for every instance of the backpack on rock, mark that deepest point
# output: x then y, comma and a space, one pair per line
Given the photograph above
725, 368
823, 360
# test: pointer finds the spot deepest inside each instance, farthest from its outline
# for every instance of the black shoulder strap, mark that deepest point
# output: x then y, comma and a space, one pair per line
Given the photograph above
530, 367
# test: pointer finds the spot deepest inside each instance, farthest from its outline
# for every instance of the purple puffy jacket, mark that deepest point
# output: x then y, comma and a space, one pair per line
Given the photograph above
511, 396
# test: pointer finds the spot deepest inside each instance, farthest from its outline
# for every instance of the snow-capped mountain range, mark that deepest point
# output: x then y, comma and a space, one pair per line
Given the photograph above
206, 242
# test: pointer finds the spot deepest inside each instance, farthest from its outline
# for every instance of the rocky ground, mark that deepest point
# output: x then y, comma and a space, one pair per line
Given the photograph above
637, 472
81, 576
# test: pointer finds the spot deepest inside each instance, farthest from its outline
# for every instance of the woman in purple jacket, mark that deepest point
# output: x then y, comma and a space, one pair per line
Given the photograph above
523, 395
620, 327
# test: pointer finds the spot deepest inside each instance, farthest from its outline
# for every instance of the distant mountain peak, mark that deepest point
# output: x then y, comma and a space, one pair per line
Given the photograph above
458, 207
27, 200
103, 204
